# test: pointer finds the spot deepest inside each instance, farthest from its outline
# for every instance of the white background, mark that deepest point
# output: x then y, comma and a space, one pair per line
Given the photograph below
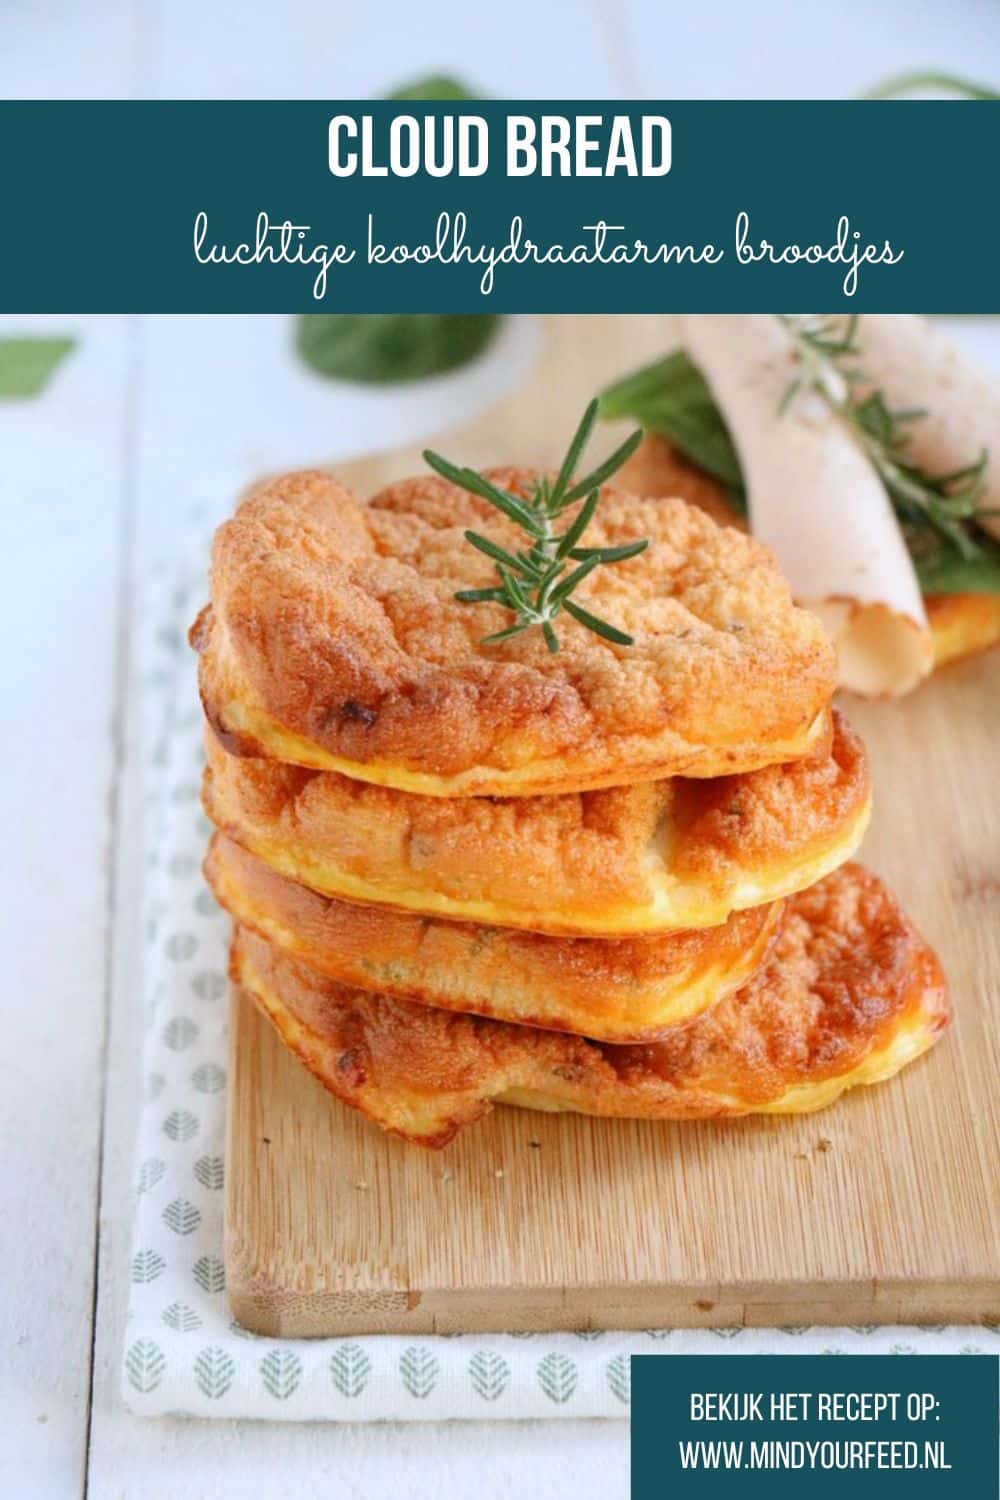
150, 416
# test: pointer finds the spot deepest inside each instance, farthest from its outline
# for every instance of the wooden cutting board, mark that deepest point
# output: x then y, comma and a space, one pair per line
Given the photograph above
884, 1209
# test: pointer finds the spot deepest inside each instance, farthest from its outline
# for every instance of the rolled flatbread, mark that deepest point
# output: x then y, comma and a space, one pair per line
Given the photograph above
915, 365
816, 501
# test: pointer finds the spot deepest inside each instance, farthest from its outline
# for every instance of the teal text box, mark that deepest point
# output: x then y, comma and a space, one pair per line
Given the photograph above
102, 199
791, 1425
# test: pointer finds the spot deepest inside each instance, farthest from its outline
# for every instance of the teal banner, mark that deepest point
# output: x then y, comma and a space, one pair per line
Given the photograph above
887, 1426
474, 206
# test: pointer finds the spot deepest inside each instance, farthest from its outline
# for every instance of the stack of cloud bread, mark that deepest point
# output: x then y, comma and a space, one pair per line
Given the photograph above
611, 879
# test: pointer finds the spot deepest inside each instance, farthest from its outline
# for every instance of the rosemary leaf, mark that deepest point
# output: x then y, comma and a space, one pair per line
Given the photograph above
517, 593
610, 554
480, 596
586, 514
478, 484
580, 440
573, 580
604, 471
537, 584
505, 635
493, 550
596, 624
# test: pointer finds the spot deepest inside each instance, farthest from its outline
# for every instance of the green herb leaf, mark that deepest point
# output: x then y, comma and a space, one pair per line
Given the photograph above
950, 551
391, 348
573, 580
943, 569
437, 86
535, 585
596, 624
27, 364
940, 83
584, 517
609, 554
568, 467
673, 398
936, 512
480, 596
506, 635
478, 484
492, 550
604, 471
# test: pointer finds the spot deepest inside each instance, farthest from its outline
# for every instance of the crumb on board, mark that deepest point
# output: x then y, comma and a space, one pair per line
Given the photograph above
823, 1145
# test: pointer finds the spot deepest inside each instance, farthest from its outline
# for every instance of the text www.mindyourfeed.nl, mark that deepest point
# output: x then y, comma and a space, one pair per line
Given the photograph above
773, 1453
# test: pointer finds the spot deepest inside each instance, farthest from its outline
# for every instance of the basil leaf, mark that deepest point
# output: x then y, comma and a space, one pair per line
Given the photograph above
673, 398
941, 83
946, 571
438, 86
28, 364
389, 348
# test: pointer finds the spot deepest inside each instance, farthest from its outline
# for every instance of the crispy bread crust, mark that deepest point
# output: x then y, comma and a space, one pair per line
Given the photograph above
629, 990
962, 625
334, 640
650, 858
850, 994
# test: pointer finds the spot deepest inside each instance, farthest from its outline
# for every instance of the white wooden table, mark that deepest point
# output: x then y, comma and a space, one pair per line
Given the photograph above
95, 482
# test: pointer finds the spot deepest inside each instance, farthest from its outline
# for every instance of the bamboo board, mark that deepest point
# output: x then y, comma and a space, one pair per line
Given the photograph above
884, 1209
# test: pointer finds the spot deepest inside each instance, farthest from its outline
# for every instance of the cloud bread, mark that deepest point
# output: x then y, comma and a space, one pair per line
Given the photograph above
627, 990
850, 994
962, 625
334, 641
649, 858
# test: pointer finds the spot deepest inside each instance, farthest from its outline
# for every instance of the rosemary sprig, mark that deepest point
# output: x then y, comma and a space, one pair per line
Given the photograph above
537, 582
943, 502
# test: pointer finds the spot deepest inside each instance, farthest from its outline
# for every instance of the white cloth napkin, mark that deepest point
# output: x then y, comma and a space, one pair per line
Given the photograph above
182, 1352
